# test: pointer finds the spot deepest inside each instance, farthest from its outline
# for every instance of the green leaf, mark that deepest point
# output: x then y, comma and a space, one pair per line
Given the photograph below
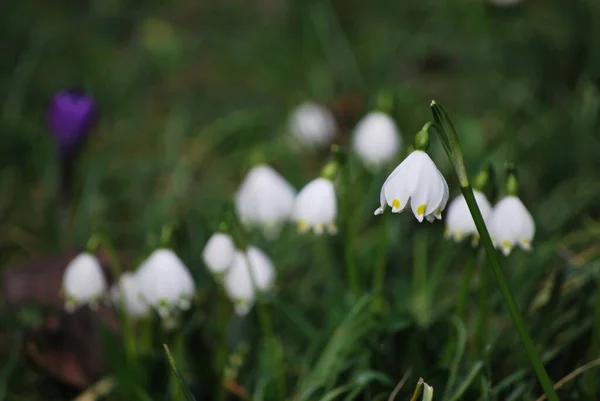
184, 387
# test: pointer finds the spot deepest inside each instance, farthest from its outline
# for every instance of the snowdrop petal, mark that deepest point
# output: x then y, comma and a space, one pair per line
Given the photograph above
459, 222
128, 292
83, 281
249, 269
264, 198
511, 224
218, 253
312, 124
165, 282
316, 206
376, 139
416, 181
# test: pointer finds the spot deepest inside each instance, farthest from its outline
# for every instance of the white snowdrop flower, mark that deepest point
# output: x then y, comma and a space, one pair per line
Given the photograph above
165, 282
127, 291
83, 282
264, 199
312, 124
218, 253
376, 140
511, 224
459, 222
249, 271
316, 207
417, 181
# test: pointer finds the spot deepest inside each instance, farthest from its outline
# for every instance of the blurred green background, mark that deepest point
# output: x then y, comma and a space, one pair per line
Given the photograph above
189, 90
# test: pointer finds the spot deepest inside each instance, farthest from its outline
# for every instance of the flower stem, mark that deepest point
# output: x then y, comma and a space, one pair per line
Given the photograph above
482, 313
451, 143
267, 330
513, 309
465, 286
379, 273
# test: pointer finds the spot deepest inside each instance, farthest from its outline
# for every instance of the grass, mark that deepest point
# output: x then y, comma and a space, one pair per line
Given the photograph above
191, 92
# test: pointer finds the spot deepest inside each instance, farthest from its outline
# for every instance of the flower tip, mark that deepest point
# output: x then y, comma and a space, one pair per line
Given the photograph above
433, 103
378, 211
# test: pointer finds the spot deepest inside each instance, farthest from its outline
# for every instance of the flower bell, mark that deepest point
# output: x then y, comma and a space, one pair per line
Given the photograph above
83, 282
510, 222
417, 181
264, 199
218, 253
312, 124
315, 206
459, 222
250, 271
128, 292
165, 282
376, 140
71, 116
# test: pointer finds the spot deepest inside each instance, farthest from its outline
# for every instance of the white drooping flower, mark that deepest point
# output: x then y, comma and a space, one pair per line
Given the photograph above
165, 282
264, 199
128, 292
218, 253
312, 124
417, 181
510, 224
83, 282
459, 222
376, 139
316, 207
250, 271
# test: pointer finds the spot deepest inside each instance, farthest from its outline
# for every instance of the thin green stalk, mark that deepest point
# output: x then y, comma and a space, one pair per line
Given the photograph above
379, 273
267, 330
482, 313
451, 144
463, 295
509, 300
349, 236
221, 357
592, 378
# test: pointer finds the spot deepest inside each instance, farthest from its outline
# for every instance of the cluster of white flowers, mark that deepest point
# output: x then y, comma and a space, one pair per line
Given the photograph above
241, 273
509, 222
162, 282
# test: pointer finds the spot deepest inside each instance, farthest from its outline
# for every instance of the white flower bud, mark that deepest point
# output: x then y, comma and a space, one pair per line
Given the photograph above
264, 199
376, 140
128, 292
249, 271
165, 282
312, 124
218, 253
316, 207
83, 281
511, 224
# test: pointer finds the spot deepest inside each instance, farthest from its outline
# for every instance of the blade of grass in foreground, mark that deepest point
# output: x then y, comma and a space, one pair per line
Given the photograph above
184, 388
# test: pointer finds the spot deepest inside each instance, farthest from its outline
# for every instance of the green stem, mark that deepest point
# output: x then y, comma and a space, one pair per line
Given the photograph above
379, 273
509, 300
482, 313
592, 378
447, 134
221, 357
267, 330
349, 237
465, 286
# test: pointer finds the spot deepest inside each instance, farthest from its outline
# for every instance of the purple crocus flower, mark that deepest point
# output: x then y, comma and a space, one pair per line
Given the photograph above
71, 116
